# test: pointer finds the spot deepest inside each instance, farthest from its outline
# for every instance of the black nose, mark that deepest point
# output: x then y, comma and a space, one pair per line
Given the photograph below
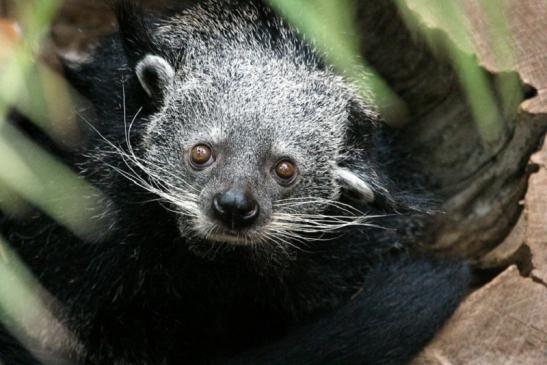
235, 208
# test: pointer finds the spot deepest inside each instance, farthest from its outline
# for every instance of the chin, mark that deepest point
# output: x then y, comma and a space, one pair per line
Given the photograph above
244, 237
213, 233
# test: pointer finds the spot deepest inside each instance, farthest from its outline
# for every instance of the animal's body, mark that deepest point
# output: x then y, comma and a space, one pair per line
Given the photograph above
237, 226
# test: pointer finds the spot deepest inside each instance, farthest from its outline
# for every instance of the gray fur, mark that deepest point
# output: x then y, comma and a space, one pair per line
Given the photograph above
253, 106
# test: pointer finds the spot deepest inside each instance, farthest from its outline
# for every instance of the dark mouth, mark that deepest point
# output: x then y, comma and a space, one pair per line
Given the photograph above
229, 237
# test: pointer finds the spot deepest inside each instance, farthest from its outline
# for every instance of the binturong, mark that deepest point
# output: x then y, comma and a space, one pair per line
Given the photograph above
250, 136
254, 207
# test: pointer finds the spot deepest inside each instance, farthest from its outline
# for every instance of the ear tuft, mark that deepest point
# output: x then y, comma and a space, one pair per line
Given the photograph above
354, 185
155, 75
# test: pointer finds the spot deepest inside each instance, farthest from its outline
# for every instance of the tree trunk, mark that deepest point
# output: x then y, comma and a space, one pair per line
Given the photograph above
484, 178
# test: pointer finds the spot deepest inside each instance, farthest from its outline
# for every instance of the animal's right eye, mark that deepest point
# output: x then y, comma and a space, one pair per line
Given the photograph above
201, 156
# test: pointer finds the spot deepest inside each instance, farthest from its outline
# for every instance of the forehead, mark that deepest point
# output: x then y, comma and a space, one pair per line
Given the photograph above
271, 101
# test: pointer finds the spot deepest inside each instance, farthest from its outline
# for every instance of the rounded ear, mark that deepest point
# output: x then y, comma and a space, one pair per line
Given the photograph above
373, 169
155, 75
354, 186
357, 151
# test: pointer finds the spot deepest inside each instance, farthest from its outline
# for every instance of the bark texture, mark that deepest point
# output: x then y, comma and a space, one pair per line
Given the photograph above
495, 193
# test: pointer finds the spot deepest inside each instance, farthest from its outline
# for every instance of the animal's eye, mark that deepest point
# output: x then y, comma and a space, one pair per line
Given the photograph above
201, 156
285, 172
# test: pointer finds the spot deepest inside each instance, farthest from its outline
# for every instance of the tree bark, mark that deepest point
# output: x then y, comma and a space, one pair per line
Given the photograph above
495, 211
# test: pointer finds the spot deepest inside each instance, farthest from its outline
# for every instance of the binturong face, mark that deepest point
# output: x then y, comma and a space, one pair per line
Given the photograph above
251, 155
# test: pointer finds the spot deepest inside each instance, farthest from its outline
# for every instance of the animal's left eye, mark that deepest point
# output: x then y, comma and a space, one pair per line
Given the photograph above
285, 172
201, 156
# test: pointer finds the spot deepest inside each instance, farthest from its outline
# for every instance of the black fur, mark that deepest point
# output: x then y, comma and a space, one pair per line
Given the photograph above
137, 294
